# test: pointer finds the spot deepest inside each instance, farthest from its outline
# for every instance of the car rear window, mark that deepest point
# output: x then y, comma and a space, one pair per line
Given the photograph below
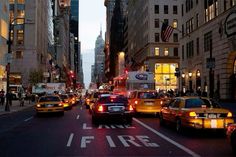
113, 99
195, 103
49, 98
64, 96
147, 95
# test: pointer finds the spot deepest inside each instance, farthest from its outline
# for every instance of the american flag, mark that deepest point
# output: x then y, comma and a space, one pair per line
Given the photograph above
166, 31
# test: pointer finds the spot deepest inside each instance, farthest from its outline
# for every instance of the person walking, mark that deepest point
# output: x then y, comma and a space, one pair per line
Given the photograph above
2, 97
21, 99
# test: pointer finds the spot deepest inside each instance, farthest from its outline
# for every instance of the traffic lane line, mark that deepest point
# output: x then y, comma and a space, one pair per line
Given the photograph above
78, 117
187, 150
70, 140
28, 119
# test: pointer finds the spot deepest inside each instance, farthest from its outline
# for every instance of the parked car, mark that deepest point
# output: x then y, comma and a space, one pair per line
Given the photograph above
110, 106
195, 112
67, 103
145, 101
49, 104
231, 135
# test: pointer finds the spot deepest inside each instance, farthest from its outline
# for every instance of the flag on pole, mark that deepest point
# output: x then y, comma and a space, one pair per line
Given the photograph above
166, 31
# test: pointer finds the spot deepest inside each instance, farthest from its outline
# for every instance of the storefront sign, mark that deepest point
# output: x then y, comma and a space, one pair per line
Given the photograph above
230, 24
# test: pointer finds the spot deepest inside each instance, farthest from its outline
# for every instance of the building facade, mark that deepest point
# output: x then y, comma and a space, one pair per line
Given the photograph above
4, 26
146, 50
208, 48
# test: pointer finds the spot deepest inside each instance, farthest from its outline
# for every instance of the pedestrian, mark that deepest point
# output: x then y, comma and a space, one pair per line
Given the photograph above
9, 97
21, 99
2, 97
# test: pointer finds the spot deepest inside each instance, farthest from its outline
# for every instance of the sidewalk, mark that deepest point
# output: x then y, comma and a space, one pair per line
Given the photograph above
15, 107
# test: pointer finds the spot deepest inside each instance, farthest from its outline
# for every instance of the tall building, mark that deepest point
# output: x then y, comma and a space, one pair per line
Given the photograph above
99, 76
208, 47
4, 26
146, 49
31, 38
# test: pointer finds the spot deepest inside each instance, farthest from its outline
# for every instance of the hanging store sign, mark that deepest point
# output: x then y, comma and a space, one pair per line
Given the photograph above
230, 24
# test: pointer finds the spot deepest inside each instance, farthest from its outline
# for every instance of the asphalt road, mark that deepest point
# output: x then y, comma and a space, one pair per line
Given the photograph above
23, 134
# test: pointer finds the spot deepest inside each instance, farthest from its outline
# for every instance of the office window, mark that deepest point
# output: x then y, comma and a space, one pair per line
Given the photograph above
182, 52
207, 41
21, 1
211, 9
197, 20
166, 51
157, 37
176, 53
175, 9
166, 21
190, 49
11, 1
3, 29
20, 13
182, 30
157, 23
182, 10
175, 23
157, 51
18, 54
175, 37
197, 45
20, 37
156, 9
165, 9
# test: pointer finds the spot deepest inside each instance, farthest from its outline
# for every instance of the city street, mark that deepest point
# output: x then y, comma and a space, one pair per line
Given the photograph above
24, 134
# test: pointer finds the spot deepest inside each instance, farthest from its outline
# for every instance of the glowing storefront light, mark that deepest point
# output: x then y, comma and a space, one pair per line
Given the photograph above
165, 78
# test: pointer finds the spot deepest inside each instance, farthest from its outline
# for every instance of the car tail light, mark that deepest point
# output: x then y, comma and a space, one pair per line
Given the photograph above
38, 105
87, 100
161, 102
131, 108
229, 114
66, 101
100, 108
136, 102
192, 114
60, 104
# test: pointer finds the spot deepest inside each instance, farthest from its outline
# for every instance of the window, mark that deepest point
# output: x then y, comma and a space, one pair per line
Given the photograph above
175, 37
190, 49
157, 23
176, 53
166, 51
3, 29
182, 52
182, 30
197, 44
157, 37
175, 9
211, 9
11, 1
20, 21
175, 23
19, 54
166, 21
20, 13
235, 66
21, 1
189, 5
20, 37
207, 41
197, 20
165, 9
157, 51
156, 9
189, 26
182, 10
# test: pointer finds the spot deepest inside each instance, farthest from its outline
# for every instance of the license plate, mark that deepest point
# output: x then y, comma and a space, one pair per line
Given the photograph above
148, 103
115, 108
212, 115
49, 105
214, 123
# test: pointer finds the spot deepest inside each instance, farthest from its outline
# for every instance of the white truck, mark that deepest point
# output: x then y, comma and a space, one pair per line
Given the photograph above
49, 88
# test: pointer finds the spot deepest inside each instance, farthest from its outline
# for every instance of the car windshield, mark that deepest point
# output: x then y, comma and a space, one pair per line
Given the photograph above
64, 96
113, 99
195, 102
147, 95
49, 98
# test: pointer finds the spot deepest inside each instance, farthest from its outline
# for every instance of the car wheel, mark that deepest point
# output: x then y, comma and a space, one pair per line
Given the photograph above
178, 125
129, 120
62, 113
233, 142
162, 121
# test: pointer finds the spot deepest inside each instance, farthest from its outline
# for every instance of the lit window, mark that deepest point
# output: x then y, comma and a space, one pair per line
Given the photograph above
166, 51
11, 1
4, 29
175, 23
20, 37
20, 21
21, 1
21, 13
157, 51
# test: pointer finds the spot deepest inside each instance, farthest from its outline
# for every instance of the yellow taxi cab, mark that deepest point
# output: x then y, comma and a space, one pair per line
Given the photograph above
49, 104
67, 104
145, 101
94, 97
195, 112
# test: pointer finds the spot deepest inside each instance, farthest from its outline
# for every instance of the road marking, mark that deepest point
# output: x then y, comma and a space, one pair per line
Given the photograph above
81, 108
168, 139
110, 141
70, 140
28, 119
85, 140
85, 127
77, 117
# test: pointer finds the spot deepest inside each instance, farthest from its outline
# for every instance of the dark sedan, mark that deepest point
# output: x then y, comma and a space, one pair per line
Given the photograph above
231, 134
112, 106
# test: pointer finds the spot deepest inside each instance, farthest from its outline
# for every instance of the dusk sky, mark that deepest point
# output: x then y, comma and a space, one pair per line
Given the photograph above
92, 16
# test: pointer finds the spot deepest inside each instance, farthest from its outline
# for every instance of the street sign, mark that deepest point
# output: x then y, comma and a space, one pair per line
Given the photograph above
210, 63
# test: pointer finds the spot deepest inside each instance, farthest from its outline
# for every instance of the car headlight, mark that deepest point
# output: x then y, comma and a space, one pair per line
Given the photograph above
38, 105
